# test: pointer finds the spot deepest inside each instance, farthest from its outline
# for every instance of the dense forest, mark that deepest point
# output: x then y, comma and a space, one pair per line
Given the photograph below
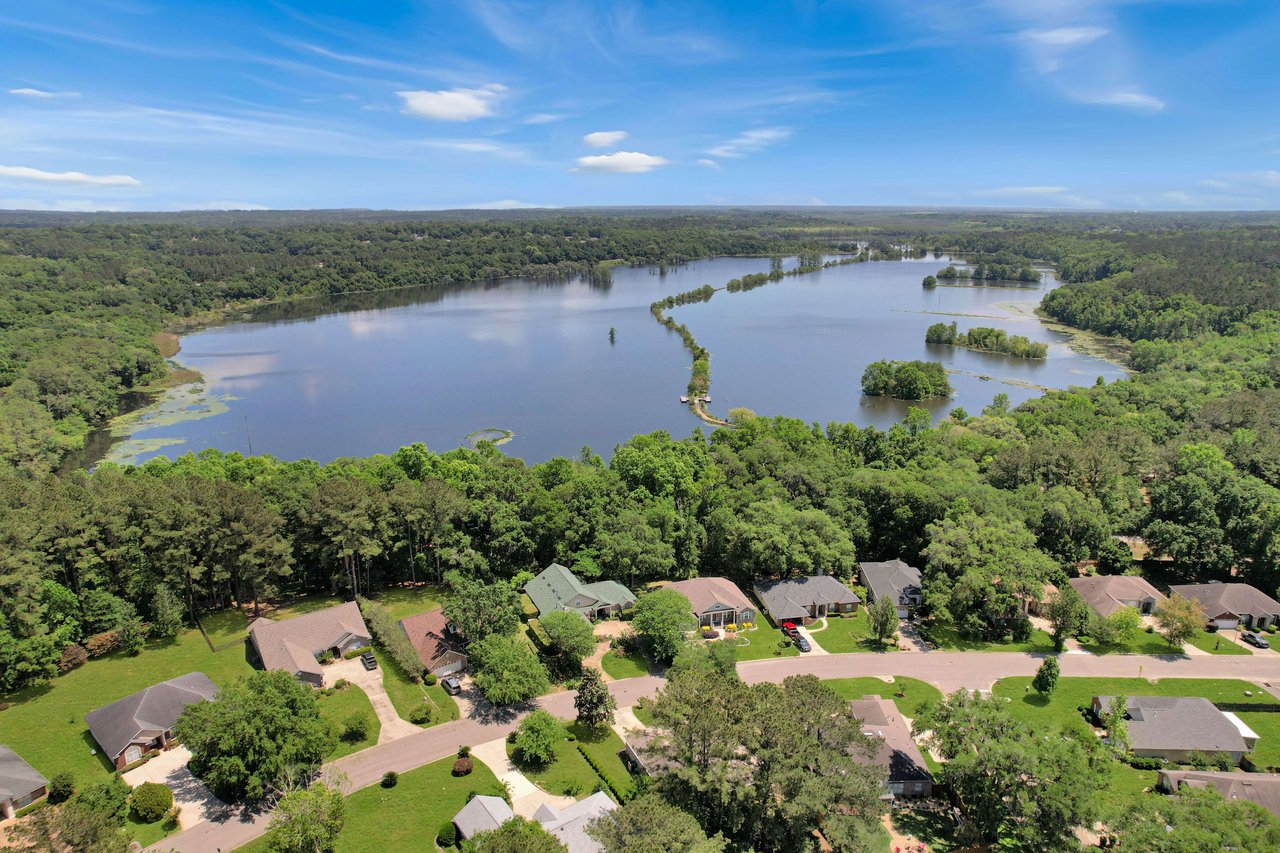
1032, 489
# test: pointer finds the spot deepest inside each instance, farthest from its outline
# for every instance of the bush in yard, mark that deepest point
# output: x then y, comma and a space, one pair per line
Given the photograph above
391, 637
507, 670
430, 679
355, 728
448, 834
421, 714
102, 644
462, 767
536, 738
61, 787
662, 618
73, 656
1046, 677
109, 798
150, 802
341, 684
390, 778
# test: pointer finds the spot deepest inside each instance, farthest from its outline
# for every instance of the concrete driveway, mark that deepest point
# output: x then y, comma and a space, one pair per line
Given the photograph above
195, 802
370, 681
526, 797
815, 648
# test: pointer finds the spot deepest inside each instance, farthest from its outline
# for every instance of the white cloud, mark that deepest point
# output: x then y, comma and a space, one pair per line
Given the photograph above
504, 204
621, 162
453, 104
543, 118
65, 205
1065, 36
475, 146
221, 205
1004, 192
1127, 99
604, 138
29, 174
710, 164
41, 93
751, 141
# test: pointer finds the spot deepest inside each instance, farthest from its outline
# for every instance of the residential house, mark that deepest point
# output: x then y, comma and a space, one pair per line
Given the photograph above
637, 754
142, 724
805, 599
1105, 594
1262, 789
295, 645
557, 588
440, 646
482, 813
906, 773
1230, 605
896, 581
1034, 605
20, 784
716, 601
569, 824
1173, 727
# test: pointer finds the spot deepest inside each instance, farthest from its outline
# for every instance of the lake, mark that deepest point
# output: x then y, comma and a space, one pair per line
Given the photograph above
532, 360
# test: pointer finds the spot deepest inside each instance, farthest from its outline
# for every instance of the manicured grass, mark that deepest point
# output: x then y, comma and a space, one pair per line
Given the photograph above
405, 695
225, 626
336, 708
147, 834
1267, 726
399, 602
569, 773
947, 638
643, 714
849, 634
916, 692
762, 642
1121, 782
630, 666
604, 746
1142, 644
45, 725
408, 816
1216, 644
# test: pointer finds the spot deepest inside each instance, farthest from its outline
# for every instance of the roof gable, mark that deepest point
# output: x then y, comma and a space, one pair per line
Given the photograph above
153, 709
792, 596
292, 644
712, 593
17, 777
1236, 599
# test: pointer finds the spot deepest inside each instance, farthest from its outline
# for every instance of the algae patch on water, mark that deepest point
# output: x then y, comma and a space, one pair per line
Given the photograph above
177, 405
491, 434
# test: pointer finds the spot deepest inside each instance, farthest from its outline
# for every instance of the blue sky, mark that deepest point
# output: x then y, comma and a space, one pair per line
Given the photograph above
167, 104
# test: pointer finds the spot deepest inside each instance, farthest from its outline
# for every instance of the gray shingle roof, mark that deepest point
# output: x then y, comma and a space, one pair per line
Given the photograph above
1238, 599
1178, 723
898, 752
1262, 789
1108, 593
890, 578
555, 586
791, 598
154, 709
292, 644
570, 823
17, 777
482, 813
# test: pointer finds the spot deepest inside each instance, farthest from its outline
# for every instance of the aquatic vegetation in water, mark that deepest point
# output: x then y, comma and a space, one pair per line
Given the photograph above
493, 435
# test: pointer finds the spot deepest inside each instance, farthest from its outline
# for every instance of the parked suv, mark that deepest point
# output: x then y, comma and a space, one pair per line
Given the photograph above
369, 661
802, 644
451, 685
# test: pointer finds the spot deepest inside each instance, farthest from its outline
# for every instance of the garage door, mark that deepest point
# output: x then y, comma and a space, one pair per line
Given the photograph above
448, 669
1226, 624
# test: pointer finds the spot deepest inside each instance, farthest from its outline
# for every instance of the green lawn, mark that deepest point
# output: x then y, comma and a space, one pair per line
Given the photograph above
935, 830
644, 715
762, 642
398, 601
336, 708
916, 692
630, 666
569, 773
1216, 644
405, 695
45, 725
225, 626
849, 634
147, 834
1060, 708
1267, 726
408, 816
604, 746
947, 638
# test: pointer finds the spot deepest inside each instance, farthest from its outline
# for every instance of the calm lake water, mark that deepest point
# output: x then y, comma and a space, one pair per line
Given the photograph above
354, 376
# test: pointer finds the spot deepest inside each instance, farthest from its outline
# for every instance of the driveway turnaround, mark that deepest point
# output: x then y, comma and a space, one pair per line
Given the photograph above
946, 670
526, 797
196, 803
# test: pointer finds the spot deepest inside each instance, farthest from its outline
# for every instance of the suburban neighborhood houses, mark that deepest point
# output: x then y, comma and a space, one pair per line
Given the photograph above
805, 600
1231, 605
298, 645
895, 581
1105, 594
556, 588
142, 724
716, 601
20, 784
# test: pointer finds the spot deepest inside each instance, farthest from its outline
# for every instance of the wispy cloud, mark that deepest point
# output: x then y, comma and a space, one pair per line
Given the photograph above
709, 164
1139, 101
68, 205
504, 204
26, 173
1065, 36
453, 104
1005, 192
474, 146
604, 138
544, 118
750, 142
41, 93
221, 205
621, 162
1055, 196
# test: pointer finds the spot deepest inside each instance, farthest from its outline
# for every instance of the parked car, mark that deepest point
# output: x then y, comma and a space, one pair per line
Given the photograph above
369, 661
1257, 640
451, 685
789, 628
802, 644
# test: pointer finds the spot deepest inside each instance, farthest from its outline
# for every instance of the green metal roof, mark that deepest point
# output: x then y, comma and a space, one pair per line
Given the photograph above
556, 586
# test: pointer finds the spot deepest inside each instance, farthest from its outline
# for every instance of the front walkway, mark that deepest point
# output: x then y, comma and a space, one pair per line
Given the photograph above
194, 801
605, 630
370, 681
526, 797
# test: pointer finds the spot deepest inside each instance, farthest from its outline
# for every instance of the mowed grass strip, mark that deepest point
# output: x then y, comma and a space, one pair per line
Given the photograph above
337, 707
408, 816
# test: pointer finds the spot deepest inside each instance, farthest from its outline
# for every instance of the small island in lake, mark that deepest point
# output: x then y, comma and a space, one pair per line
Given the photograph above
906, 380
985, 339
990, 271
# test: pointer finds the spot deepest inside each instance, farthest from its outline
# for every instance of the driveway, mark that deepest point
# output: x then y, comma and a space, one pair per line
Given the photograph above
605, 631
814, 646
370, 681
526, 797
625, 720
196, 803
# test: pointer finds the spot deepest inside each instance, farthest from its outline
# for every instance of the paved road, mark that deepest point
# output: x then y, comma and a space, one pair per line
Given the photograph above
946, 670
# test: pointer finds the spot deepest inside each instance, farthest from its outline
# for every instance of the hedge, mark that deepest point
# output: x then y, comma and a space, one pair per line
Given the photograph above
355, 653
621, 792
389, 634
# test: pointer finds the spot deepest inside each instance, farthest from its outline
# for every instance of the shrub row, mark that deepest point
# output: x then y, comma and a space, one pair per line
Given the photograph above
355, 653
388, 633
621, 791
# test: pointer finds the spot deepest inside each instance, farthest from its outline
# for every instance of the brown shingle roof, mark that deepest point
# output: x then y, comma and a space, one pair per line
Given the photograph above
704, 593
1108, 593
1237, 599
1262, 789
427, 631
898, 753
1178, 723
292, 645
